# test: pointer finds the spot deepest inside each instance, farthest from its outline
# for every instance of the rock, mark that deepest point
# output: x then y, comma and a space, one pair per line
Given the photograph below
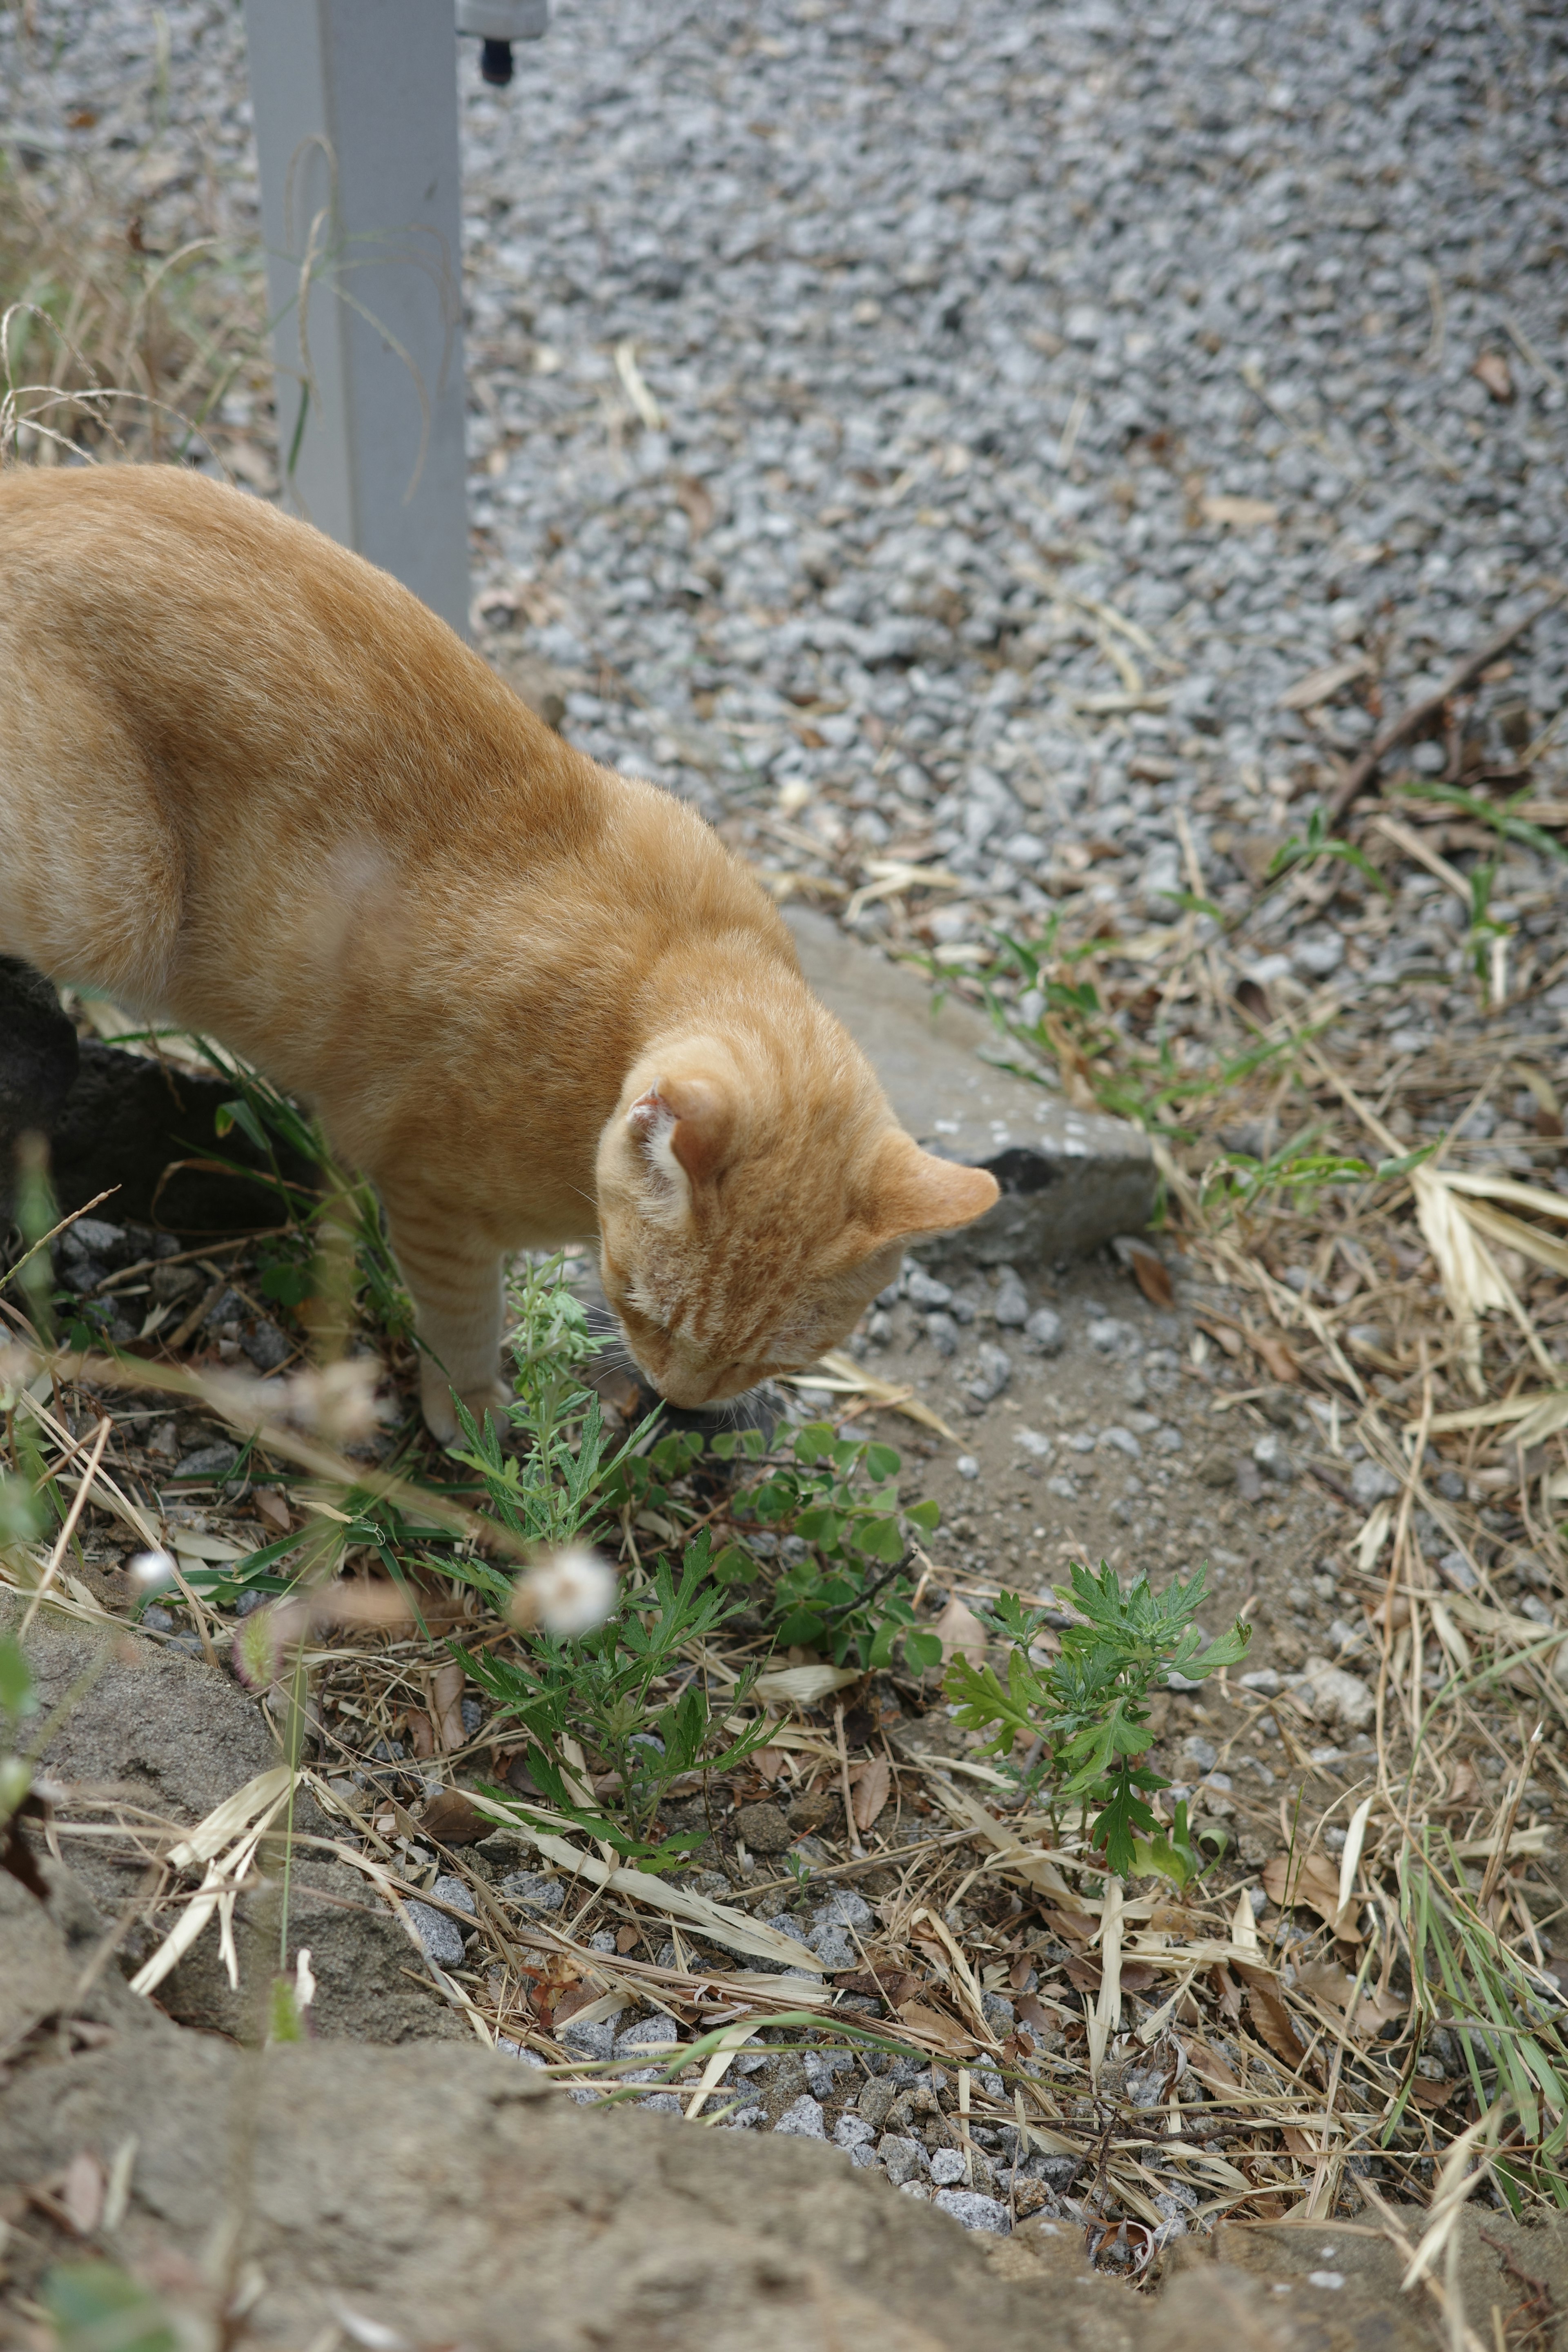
1371, 1483
590, 2037
1010, 1305
1070, 1179
853, 2131
844, 1908
442, 1937
967, 1466
536, 1889
995, 1370
924, 1291
974, 2212
942, 1333
1044, 1334
1336, 1697
763, 1828
214, 1461
124, 1120
725, 2241
38, 1063
1109, 1336
947, 2167
902, 2159
802, 2119
1273, 1458
833, 1947
457, 1892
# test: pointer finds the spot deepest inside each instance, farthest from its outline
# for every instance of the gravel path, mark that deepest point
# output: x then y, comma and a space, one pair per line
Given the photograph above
1037, 407
950, 436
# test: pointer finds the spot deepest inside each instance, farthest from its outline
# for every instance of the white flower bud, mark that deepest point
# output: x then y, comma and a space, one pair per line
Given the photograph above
153, 1570
572, 1593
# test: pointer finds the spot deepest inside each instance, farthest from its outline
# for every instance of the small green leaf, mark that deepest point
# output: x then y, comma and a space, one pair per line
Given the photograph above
98, 2307
17, 1695
882, 1462
926, 1516
732, 1566
923, 1650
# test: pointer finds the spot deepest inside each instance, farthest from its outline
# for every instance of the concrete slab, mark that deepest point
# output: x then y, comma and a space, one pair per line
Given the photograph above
1070, 1179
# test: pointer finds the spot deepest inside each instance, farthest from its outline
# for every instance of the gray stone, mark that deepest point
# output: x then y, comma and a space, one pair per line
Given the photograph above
974, 2212
833, 1947
1044, 1334
535, 1889
802, 2119
215, 1461
1371, 1483
995, 1370
903, 2159
853, 2131
1070, 1179
593, 2037
1010, 1305
844, 1908
455, 1892
442, 1937
946, 2167
1273, 1457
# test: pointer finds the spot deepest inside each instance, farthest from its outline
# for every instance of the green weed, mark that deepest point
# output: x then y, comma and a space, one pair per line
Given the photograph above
1087, 1708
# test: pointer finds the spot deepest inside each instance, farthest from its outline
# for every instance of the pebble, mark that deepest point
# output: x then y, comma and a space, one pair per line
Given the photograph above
967, 1466
844, 1908
1043, 1333
1010, 1307
590, 2038
946, 2167
1273, 1458
455, 1891
974, 2212
442, 1937
903, 2159
995, 1370
536, 1889
802, 2119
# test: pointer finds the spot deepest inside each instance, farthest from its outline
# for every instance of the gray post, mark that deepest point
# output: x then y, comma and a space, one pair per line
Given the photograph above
356, 133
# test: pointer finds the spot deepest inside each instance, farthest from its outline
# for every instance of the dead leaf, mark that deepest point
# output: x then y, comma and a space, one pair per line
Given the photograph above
960, 1633
272, 1507
804, 1686
1151, 1275
1227, 1335
873, 1786
769, 1762
696, 504
1238, 514
1432, 2095
1326, 1981
1033, 2013
945, 2030
452, 1819
82, 2192
1269, 2014
1376, 2010
1298, 2142
1311, 1879
1275, 1357
1322, 685
569, 2001
421, 1736
1497, 375
1211, 2068
1227, 1991
447, 1707
885, 1983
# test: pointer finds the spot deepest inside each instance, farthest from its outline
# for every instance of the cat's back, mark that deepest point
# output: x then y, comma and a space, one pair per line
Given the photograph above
233, 641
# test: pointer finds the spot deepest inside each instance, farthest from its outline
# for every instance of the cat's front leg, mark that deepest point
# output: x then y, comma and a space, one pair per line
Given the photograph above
457, 1293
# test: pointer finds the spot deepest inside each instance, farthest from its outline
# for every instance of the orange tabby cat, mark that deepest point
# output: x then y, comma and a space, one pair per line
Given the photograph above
250, 786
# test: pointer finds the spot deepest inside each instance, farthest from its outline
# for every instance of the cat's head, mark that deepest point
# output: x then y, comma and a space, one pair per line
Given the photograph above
753, 1199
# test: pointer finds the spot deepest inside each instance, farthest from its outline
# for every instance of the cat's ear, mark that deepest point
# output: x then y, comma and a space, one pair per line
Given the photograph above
684, 1120
919, 1193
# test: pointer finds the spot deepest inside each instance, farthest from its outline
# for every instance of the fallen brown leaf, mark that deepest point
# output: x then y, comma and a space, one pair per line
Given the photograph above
696, 504
945, 2030
1269, 2014
452, 1819
421, 1733
960, 1633
892, 1985
1312, 1880
1211, 2068
1033, 2013
1275, 1356
1497, 375
1432, 2095
1153, 1278
873, 1785
447, 1707
570, 2000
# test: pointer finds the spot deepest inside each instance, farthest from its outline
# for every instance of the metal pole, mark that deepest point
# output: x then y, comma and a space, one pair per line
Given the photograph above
356, 106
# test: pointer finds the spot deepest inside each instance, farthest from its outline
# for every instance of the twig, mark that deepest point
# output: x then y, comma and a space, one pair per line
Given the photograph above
105, 1432
1410, 722
851, 1826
